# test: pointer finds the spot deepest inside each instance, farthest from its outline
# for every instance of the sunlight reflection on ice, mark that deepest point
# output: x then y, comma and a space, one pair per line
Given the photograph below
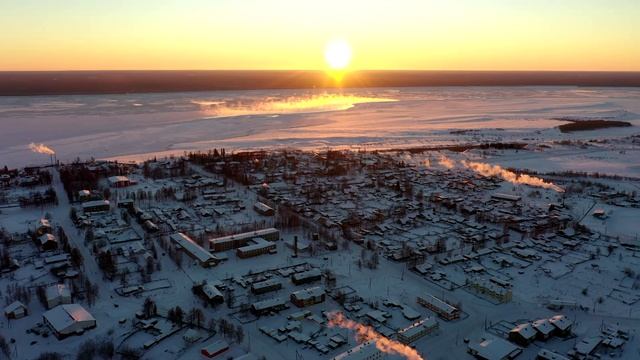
285, 105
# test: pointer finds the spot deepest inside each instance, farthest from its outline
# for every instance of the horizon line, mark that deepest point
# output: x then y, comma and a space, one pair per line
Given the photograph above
25, 83
324, 70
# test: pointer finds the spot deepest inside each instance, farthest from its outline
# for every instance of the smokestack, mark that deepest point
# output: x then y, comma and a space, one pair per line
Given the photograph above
43, 149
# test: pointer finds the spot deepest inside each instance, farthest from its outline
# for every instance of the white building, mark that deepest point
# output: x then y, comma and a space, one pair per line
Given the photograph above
69, 319
57, 294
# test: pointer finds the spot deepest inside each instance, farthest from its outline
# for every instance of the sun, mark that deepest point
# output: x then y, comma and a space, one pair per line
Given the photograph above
337, 53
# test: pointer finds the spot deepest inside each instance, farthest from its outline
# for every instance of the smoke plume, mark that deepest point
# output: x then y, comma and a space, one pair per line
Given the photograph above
41, 149
367, 333
446, 162
496, 170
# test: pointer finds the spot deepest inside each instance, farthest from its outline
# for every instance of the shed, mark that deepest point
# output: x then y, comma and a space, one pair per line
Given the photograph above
214, 349
48, 242
16, 310
57, 294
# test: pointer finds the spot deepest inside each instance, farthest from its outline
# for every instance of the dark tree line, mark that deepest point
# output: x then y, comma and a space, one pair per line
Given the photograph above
37, 198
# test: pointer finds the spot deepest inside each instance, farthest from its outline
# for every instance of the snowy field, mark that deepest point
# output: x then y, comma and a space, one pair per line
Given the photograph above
591, 278
135, 126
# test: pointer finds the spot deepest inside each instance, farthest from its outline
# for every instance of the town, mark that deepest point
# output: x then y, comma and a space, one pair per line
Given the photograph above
336, 254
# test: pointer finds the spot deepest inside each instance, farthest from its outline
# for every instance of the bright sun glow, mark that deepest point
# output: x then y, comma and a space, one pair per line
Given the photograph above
337, 53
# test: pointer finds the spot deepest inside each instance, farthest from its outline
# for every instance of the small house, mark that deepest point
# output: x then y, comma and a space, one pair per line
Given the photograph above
16, 310
48, 242
57, 294
544, 329
523, 334
119, 181
43, 227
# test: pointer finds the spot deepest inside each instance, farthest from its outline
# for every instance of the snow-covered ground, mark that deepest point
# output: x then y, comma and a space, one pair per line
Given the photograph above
593, 276
135, 126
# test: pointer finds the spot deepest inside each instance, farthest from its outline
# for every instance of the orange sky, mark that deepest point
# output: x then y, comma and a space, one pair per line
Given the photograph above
291, 34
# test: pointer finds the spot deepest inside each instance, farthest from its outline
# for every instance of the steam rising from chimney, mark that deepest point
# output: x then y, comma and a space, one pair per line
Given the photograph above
510, 176
367, 333
498, 171
446, 162
41, 149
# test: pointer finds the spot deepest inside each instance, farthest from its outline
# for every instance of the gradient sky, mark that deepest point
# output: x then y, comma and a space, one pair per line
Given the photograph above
291, 34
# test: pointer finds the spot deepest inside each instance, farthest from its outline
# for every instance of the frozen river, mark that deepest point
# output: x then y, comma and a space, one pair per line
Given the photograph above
135, 126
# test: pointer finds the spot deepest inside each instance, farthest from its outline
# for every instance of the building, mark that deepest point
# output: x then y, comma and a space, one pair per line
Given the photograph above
266, 286
235, 241
43, 227
545, 354
506, 197
544, 329
495, 291
214, 349
417, 330
308, 297
248, 356
84, 195
150, 226
562, 324
586, 346
306, 276
69, 319
54, 259
378, 316
263, 209
259, 246
96, 206
494, 349
599, 213
119, 181
266, 306
48, 242
213, 295
440, 307
523, 334
16, 310
365, 351
195, 251
126, 204
57, 294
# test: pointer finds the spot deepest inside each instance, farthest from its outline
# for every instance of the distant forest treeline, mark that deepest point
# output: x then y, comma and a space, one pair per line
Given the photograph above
110, 82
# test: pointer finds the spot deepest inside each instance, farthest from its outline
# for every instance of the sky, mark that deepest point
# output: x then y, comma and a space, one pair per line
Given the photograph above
292, 34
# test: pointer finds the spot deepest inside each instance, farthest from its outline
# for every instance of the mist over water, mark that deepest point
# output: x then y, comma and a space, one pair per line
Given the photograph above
286, 105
